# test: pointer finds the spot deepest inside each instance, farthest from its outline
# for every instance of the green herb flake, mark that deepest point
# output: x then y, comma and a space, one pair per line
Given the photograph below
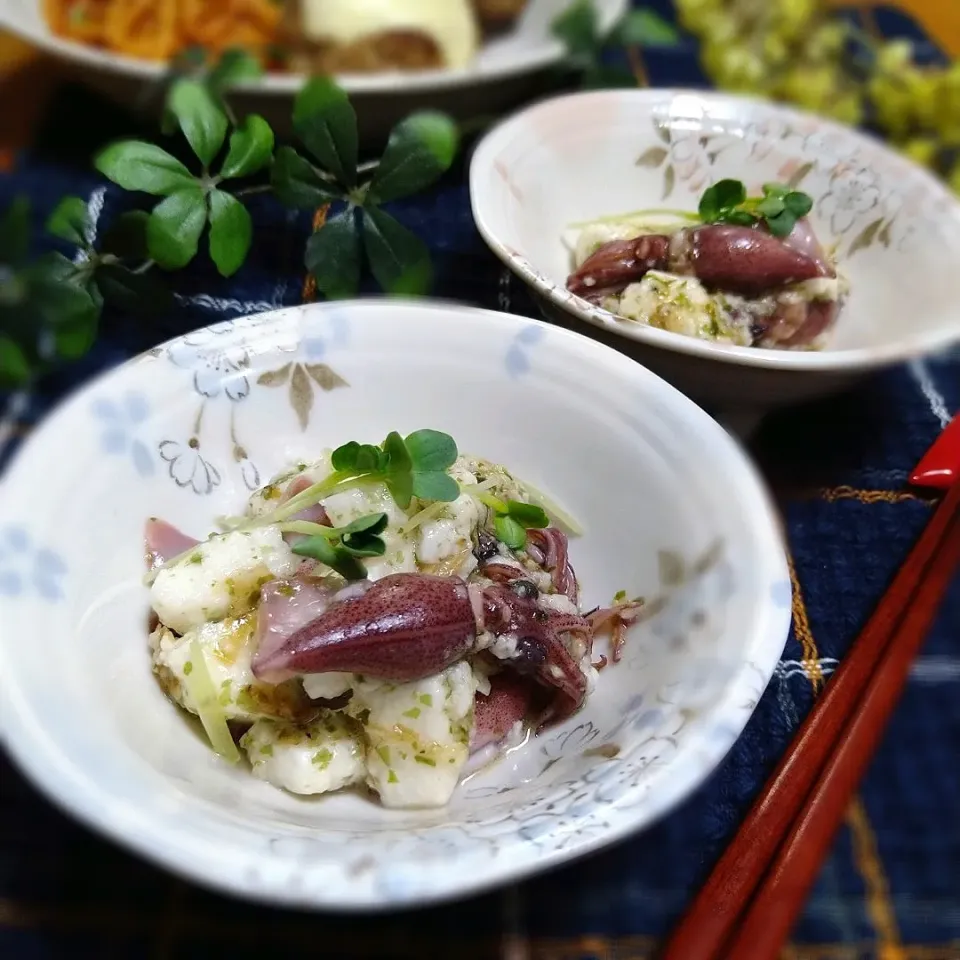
426, 699
196, 558
413, 713
620, 596
426, 761
384, 754
267, 750
322, 758
392, 777
188, 668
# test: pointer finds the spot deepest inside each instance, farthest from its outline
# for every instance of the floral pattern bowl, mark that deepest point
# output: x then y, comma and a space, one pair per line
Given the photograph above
583, 156
672, 509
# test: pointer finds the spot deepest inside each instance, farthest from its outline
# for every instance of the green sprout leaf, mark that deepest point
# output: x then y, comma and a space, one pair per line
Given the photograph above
528, 514
782, 224
251, 147
578, 28
201, 118
799, 204
720, 198
419, 150
399, 476
335, 557
509, 532
135, 165
325, 121
399, 259
435, 485
333, 256
231, 231
296, 183
645, 28
431, 450
70, 221
14, 366
174, 228
126, 237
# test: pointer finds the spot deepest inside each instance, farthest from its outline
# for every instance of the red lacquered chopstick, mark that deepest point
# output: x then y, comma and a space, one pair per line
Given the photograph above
940, 467
900, 620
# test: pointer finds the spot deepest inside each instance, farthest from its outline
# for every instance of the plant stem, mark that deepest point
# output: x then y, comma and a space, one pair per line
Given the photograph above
248, 191
637, 66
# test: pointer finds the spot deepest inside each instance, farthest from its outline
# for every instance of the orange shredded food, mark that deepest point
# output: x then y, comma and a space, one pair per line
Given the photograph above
160, 29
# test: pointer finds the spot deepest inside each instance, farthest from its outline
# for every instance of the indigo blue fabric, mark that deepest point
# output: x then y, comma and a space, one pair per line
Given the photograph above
891, 886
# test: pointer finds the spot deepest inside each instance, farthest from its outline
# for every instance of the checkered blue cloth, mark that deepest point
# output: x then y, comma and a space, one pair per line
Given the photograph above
891, 886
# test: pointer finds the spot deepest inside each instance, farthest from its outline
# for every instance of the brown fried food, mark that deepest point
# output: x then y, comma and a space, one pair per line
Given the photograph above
390, 50
497, 14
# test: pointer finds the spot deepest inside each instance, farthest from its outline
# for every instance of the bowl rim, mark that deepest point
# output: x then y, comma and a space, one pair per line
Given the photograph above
77, 793
813, 361
386, 83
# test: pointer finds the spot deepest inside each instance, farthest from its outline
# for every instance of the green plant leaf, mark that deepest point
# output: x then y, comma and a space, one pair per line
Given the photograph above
431, 450
201, 118
15, 231
528, 514
135, 292
782, 224
174, 228
770, 206
435, 485
231, 231
419, 150
127, 236
799, 204
510, 532
602, 76
235, 66
721, 196
70, 221
75, 336
578, 28
14, 366
251, 147
135, 165
333, 256
398, 258
644, 28
295, 183
325, 121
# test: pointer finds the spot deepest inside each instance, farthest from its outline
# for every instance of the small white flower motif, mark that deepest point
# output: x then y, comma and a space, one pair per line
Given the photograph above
188, 468
690, 160
215, 370
763, 135
120, 423
22, 565
829, 148
851, 195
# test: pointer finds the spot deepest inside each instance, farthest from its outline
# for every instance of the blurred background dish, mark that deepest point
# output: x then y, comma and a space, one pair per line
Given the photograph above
467, 57
586, 156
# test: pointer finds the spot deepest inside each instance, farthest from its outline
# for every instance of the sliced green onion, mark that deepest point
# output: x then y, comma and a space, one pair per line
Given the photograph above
202, 692
429, 512
310, 529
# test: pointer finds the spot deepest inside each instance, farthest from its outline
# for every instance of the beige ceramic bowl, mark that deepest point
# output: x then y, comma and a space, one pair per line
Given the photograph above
583, 156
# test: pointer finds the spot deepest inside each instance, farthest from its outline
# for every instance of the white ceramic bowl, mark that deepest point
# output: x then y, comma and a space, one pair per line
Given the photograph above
583, 156
507, 70
672, 508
